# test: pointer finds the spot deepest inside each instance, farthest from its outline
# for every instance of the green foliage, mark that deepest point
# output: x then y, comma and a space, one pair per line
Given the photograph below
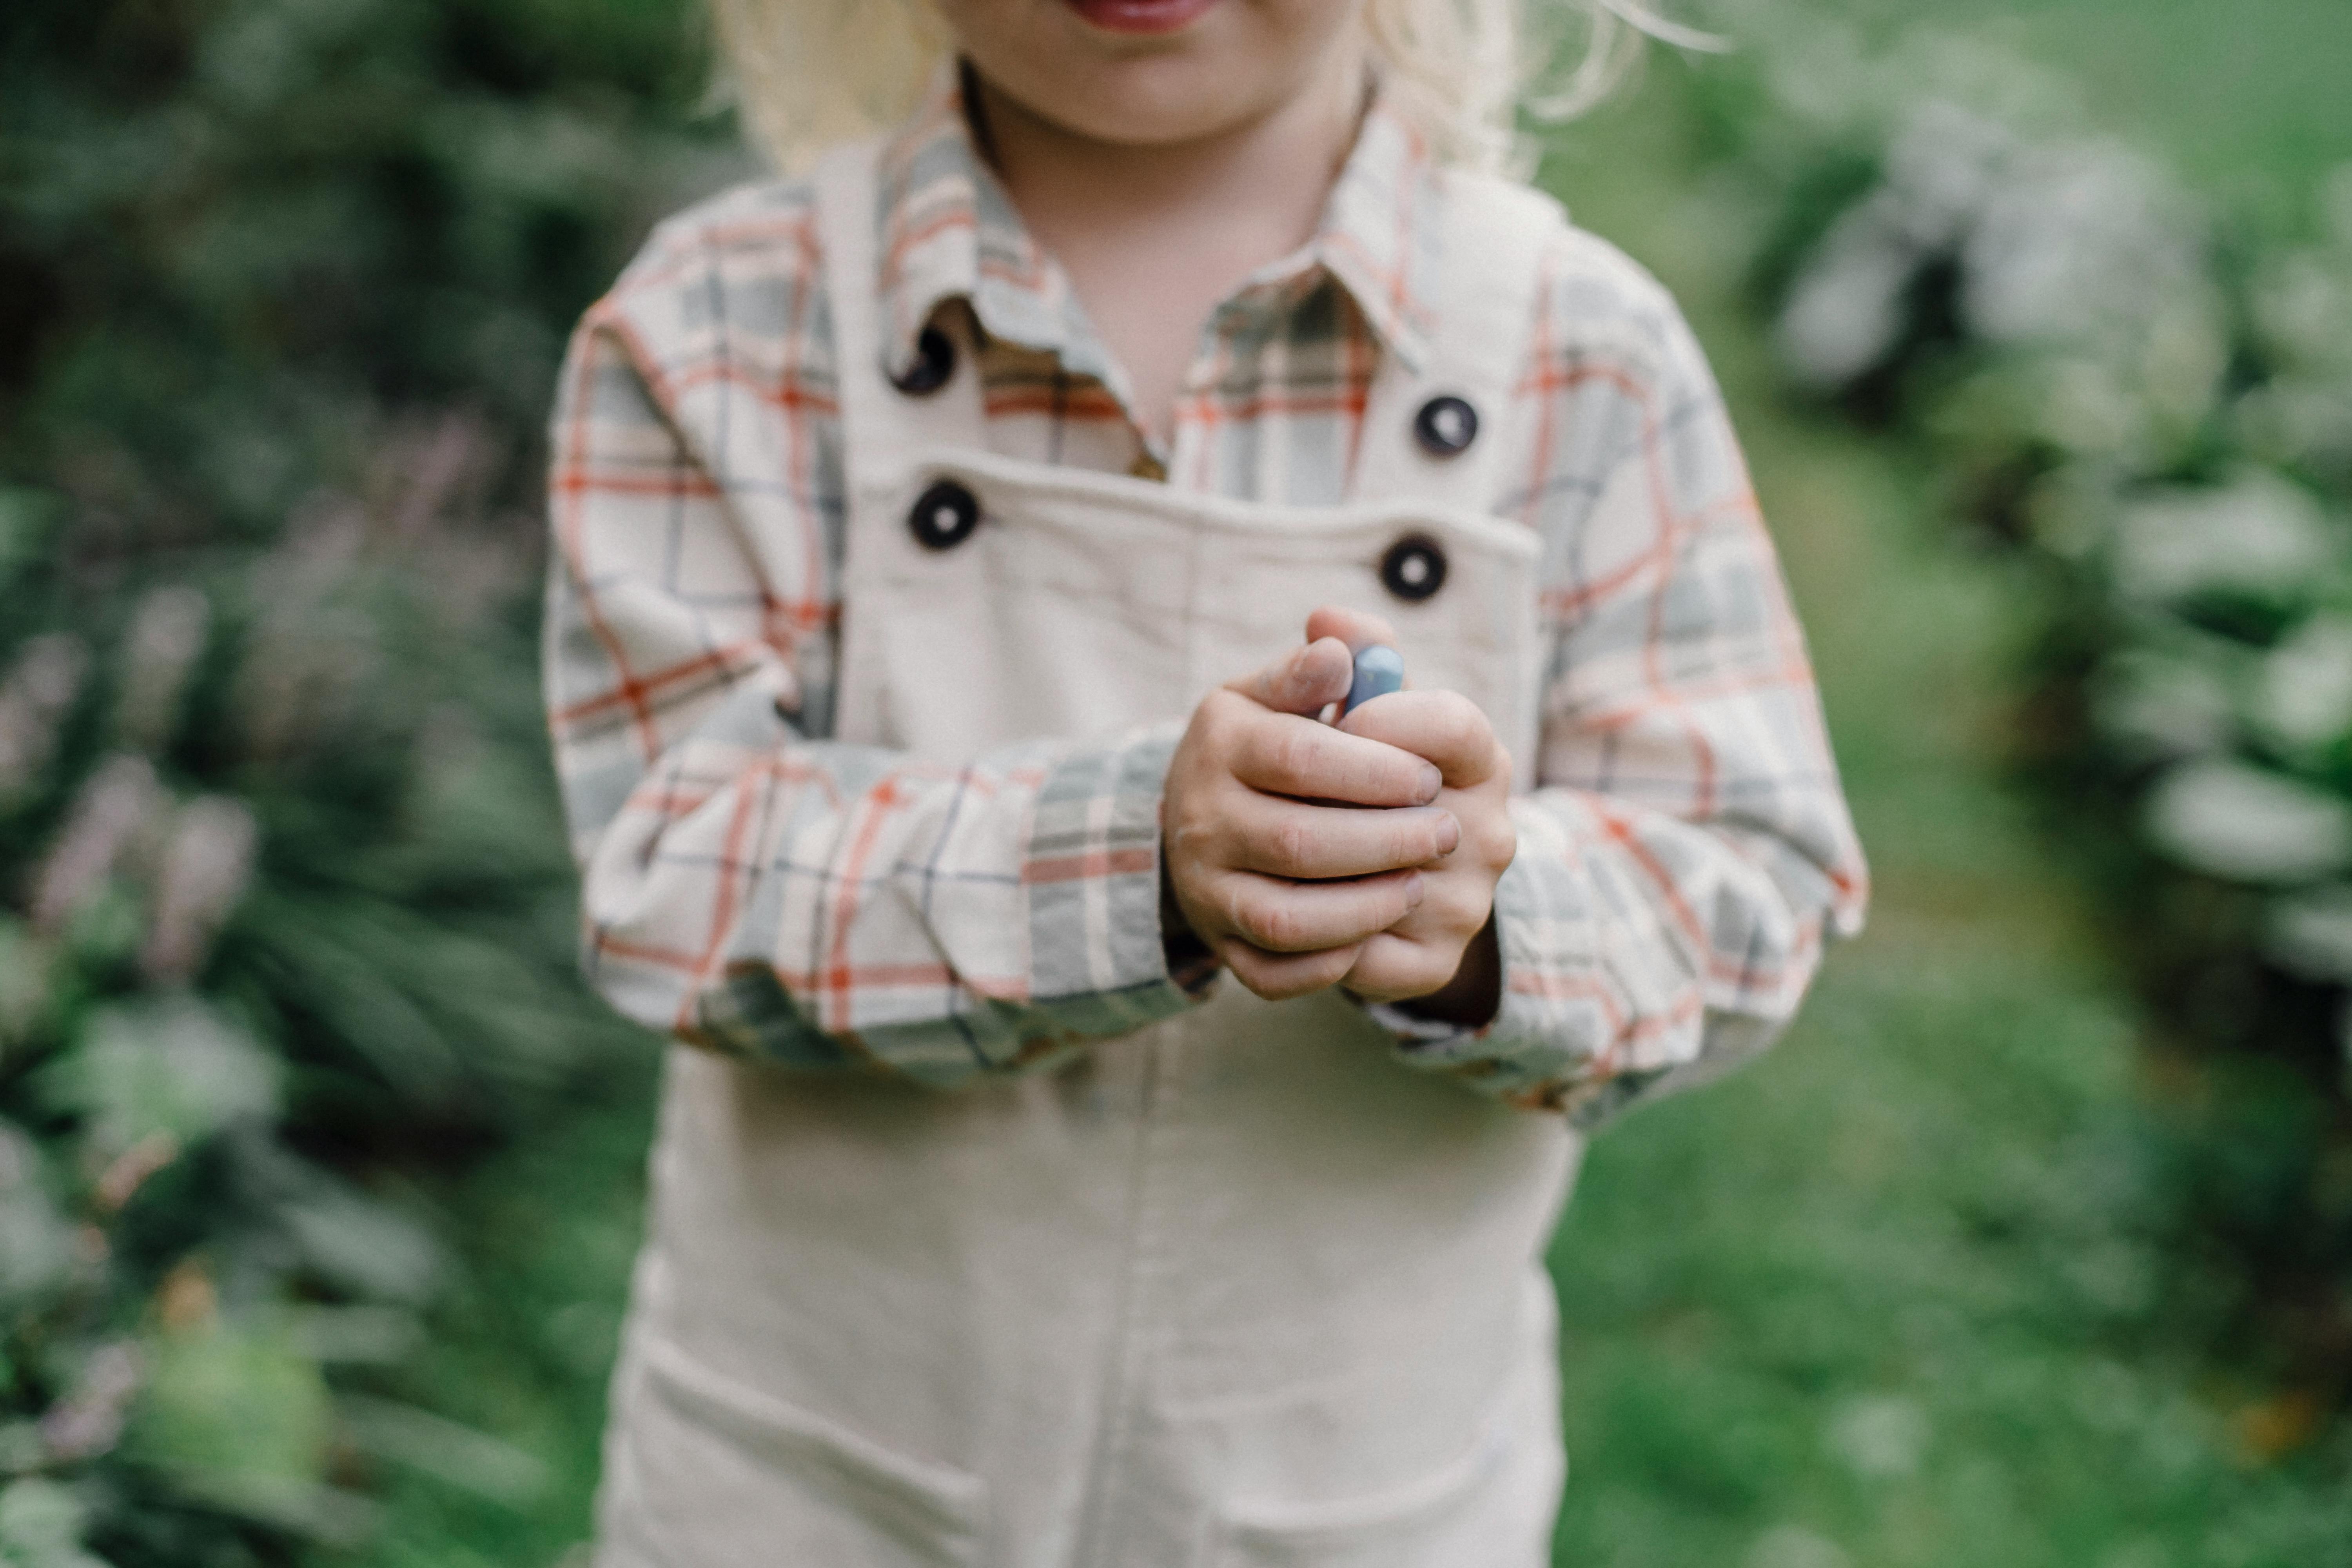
1917, 1289
237, 228
285, 929
2151, 407
317, 1173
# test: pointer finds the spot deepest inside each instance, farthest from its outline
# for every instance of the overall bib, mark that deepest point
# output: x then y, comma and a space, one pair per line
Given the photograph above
1236, 1291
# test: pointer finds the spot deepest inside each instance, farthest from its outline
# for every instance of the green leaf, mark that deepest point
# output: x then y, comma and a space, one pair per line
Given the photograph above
41, 1524
2231, 820
24, 981
36, 1243
2258, 535
365, 1246
456, 1455
28, 520
175, 1066
234, 1404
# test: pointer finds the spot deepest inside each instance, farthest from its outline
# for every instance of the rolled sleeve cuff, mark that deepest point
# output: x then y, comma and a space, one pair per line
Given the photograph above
1091, 867
1552, 1022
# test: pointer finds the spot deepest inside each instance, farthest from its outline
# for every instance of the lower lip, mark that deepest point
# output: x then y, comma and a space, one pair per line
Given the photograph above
1140, 15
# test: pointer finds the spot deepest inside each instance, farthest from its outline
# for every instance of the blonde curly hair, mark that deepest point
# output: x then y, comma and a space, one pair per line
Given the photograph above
805, 73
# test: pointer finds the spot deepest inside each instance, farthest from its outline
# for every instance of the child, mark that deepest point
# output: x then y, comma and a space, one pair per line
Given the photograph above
957, 552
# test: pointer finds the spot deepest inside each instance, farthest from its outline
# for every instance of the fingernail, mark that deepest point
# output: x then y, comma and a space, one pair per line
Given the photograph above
1412, 892
1432, 781
1449, 834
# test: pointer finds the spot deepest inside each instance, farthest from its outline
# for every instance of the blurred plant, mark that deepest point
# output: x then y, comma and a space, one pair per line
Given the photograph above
265, 977
2152, 406
285, 927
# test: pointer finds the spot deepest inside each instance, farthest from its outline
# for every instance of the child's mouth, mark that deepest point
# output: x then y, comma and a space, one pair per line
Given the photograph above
1140, 15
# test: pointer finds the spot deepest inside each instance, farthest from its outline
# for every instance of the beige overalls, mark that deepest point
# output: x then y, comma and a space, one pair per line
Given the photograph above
1233, 1291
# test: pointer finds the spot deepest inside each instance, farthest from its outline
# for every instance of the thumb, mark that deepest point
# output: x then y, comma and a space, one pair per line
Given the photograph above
1305, 680
1360, 630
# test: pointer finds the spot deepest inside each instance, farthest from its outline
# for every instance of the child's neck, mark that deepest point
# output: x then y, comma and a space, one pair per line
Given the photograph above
1153, 237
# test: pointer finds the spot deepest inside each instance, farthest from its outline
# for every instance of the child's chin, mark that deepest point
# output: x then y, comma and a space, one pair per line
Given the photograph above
1158, 99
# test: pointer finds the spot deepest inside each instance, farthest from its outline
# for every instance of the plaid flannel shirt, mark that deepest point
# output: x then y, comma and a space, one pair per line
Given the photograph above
753, 886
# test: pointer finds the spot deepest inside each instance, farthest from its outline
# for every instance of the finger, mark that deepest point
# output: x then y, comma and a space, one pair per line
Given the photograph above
1276, 915
1315, 842
1452, 908
1287, 755
1305, 680
1359, 629
1443, 727
1278, 977
1394, 968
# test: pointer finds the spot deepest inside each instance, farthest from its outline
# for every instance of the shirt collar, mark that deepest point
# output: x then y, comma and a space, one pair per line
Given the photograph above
950, 232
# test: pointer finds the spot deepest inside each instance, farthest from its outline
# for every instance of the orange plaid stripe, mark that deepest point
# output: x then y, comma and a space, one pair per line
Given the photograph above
755, 887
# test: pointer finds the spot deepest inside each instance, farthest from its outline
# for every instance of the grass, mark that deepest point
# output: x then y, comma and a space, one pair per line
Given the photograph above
1892, 1296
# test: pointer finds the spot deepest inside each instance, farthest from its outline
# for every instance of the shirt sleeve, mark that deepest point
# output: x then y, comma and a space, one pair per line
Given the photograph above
1687, 847
748, 884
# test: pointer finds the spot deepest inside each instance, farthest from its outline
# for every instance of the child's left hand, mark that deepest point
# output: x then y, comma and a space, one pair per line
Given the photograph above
1441, 959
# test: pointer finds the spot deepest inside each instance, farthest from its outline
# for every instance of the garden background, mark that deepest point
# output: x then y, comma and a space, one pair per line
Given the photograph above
2032, 1244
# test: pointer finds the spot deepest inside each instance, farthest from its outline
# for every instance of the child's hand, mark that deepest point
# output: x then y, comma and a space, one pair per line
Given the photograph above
1265, 855
1442, 956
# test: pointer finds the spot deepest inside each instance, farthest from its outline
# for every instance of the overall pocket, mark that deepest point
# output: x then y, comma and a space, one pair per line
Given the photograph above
716, 1474
1487, 1509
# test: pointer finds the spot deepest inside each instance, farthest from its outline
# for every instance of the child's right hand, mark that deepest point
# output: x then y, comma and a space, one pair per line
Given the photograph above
1258, 820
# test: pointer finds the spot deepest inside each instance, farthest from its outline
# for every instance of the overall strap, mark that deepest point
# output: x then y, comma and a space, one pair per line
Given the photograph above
1492, 236
885, 426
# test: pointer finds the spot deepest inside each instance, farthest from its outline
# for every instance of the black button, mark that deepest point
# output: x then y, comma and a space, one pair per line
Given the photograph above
1414, 568
1445, 427
934, 364
944, 516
